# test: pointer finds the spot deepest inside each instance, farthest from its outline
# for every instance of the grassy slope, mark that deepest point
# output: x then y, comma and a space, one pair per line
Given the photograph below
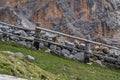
73, 69
20, 67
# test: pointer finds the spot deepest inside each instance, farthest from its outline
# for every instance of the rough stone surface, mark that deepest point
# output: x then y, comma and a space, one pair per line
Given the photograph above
77, 17
79, 56
8, 77
41, 45
65, 52
31, 58
99, 18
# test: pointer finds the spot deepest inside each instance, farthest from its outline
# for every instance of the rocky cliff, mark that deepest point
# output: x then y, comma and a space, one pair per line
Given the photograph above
99, 18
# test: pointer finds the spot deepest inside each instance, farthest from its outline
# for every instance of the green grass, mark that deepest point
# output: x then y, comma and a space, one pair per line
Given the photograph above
21, 67
56, 65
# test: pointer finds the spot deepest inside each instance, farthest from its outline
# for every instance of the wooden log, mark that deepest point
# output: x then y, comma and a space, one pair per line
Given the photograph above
37, 36
87, 45
87, 53
13, 26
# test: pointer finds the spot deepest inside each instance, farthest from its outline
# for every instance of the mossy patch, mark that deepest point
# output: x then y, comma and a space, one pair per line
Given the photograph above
20, 67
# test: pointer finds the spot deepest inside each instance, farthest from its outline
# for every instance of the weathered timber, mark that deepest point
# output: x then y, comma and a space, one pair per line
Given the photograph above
13, 26
87, 48
37, 36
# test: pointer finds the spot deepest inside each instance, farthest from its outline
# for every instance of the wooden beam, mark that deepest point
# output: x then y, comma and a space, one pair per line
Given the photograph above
87, 48
13, 26
37, 36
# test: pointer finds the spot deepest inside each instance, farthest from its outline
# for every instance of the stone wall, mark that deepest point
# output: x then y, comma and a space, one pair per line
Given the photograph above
111, 57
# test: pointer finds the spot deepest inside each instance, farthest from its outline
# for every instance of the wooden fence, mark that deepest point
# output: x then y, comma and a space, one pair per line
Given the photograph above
37, 38
39, 29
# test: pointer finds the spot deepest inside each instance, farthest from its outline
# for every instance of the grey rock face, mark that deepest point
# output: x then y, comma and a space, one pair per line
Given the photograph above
66, 10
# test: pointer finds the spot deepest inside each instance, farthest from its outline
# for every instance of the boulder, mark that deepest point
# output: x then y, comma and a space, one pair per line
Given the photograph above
17, 32
114, 52
8, 52
20, 54
58, 48
41, 45
14, 38
71, 56
79, 56
30, 38
46, 44
29, 44
47, 51
31, 58
21, 33
5, 28
14, 53
1, 26
65, 52
22, 43
82, 46
100, 63
110, 60
57, 52
70, 44
74, 51
53, 47
118, 60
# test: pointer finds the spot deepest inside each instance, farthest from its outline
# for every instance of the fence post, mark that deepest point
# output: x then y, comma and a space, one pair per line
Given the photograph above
37, 37
87, 51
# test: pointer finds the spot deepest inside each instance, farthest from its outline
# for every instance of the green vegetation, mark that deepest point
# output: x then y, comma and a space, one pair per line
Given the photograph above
63, 68
21, 67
